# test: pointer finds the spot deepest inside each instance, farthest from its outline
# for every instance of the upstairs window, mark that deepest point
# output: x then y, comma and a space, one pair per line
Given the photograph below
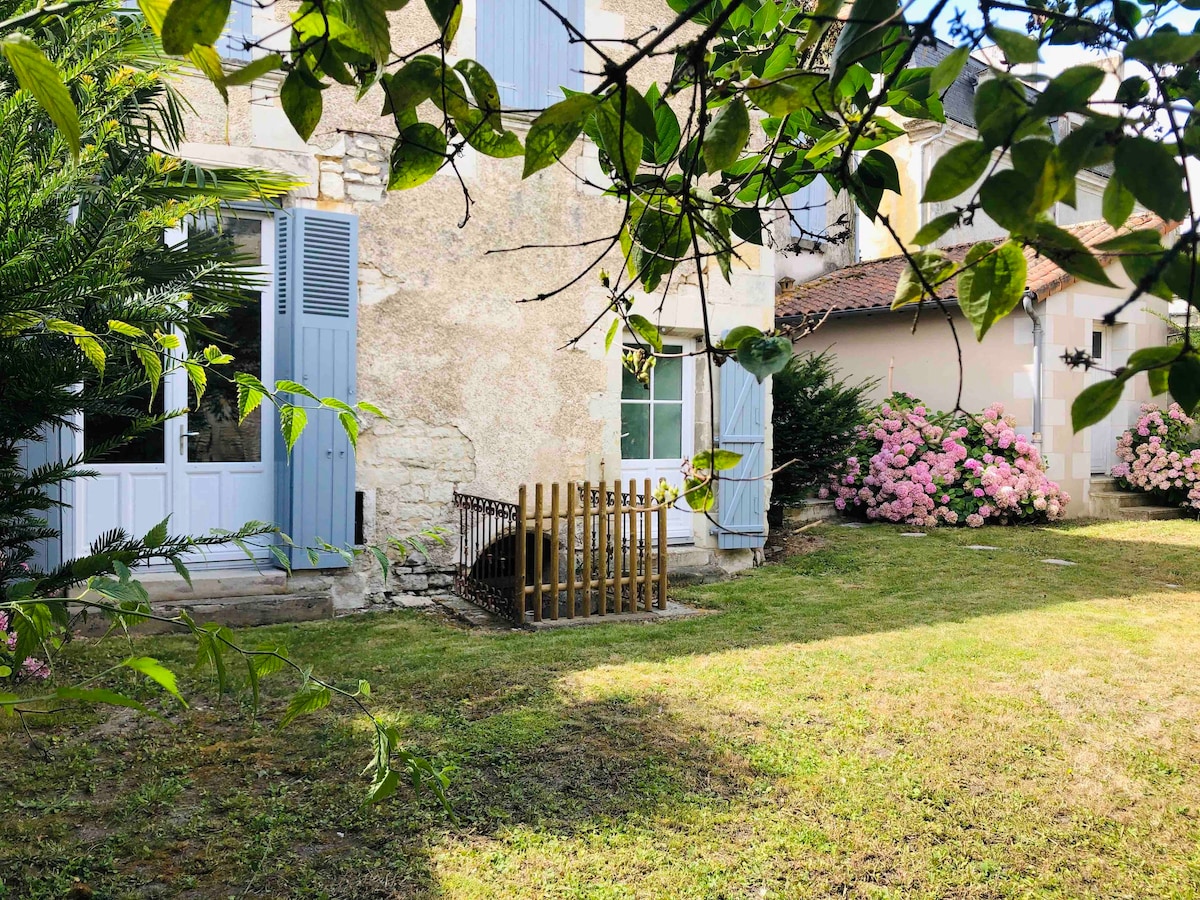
807, 210
528, 51
238, 30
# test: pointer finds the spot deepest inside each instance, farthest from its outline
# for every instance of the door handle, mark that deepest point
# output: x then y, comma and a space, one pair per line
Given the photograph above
183, 436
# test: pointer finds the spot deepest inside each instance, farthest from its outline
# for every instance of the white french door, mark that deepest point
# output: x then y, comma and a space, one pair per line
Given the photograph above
658, 424
1103, 435
204, 469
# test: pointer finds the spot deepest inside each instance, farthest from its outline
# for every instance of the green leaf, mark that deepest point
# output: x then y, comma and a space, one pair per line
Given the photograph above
125, 328
764, 356
36, 74
1164, 46
484, 90
371, 408
667, 138
990, 284
253, 70
92, 351
612, 333
156, 535
292, 420
249, 398
619, 139
301, 102
647, 331
1184, 381
639, 114
1153, 175
726, 135
861, 35
1069, 253
790, 91
554, 131
182, 569
156, 672
418, 153
946, 72
1069, 91
834, 137
447, 14
152, 365
935, 228
364, 687
369, 19
1159, 381
285, 385
1150, 358
931, 265
310, 698
1117, 204
737, 334
1018, 48
715, 460
350, 425
98, 695
191, 22
197, 376
957, 170
1008, 197
1095, 402
699, 494
1000, 110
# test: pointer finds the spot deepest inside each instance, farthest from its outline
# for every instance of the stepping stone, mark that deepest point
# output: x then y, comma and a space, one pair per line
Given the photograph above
852, 525
1058, 562
981, 547
912, 534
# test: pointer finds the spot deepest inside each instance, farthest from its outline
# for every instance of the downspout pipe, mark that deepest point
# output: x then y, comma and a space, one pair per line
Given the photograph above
1029, 304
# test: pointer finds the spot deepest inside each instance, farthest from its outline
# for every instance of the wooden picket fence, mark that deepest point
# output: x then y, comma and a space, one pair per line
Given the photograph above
569, 551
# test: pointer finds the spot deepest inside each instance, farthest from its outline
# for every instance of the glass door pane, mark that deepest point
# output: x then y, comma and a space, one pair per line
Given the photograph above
215, 435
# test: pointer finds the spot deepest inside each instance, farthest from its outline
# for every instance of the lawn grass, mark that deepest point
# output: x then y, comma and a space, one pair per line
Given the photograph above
884, 717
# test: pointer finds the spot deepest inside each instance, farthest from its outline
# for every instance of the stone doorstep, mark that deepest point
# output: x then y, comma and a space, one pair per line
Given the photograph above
211, 584
235, 612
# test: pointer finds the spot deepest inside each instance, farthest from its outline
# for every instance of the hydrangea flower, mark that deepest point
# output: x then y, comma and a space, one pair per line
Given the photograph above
911, 466
1158, 455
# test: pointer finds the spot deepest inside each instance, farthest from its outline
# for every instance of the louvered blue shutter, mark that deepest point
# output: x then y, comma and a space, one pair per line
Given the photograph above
58, 446
741, 492
238, 30
528, 51
316, 315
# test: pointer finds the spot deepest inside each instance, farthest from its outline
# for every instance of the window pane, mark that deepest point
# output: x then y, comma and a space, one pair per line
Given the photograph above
668, 430
221, 438
147, 447
631, 388
1098, 344
668, 377
635, 431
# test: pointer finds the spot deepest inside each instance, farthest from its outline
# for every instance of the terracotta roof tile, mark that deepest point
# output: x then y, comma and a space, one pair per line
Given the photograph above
871, 285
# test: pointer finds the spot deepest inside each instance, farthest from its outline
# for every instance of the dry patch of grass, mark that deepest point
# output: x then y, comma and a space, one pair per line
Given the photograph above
878, 717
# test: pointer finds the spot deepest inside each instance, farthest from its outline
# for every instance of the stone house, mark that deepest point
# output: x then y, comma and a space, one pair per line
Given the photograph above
396, 298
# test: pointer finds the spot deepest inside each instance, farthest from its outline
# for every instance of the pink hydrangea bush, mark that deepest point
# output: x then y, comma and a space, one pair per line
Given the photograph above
928, 469
1159, 455
29, 668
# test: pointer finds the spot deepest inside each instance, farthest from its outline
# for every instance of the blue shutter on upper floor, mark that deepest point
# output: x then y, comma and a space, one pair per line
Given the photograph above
316, 315
741, 491
807, 206
528, 51
57, 446
238, 30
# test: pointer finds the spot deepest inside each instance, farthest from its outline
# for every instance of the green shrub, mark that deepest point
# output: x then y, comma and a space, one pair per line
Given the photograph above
814, 420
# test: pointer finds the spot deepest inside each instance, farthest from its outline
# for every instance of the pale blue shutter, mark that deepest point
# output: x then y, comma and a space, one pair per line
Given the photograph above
238, 30
58, 446
741, 492
808, 209
316, 297
528, 51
